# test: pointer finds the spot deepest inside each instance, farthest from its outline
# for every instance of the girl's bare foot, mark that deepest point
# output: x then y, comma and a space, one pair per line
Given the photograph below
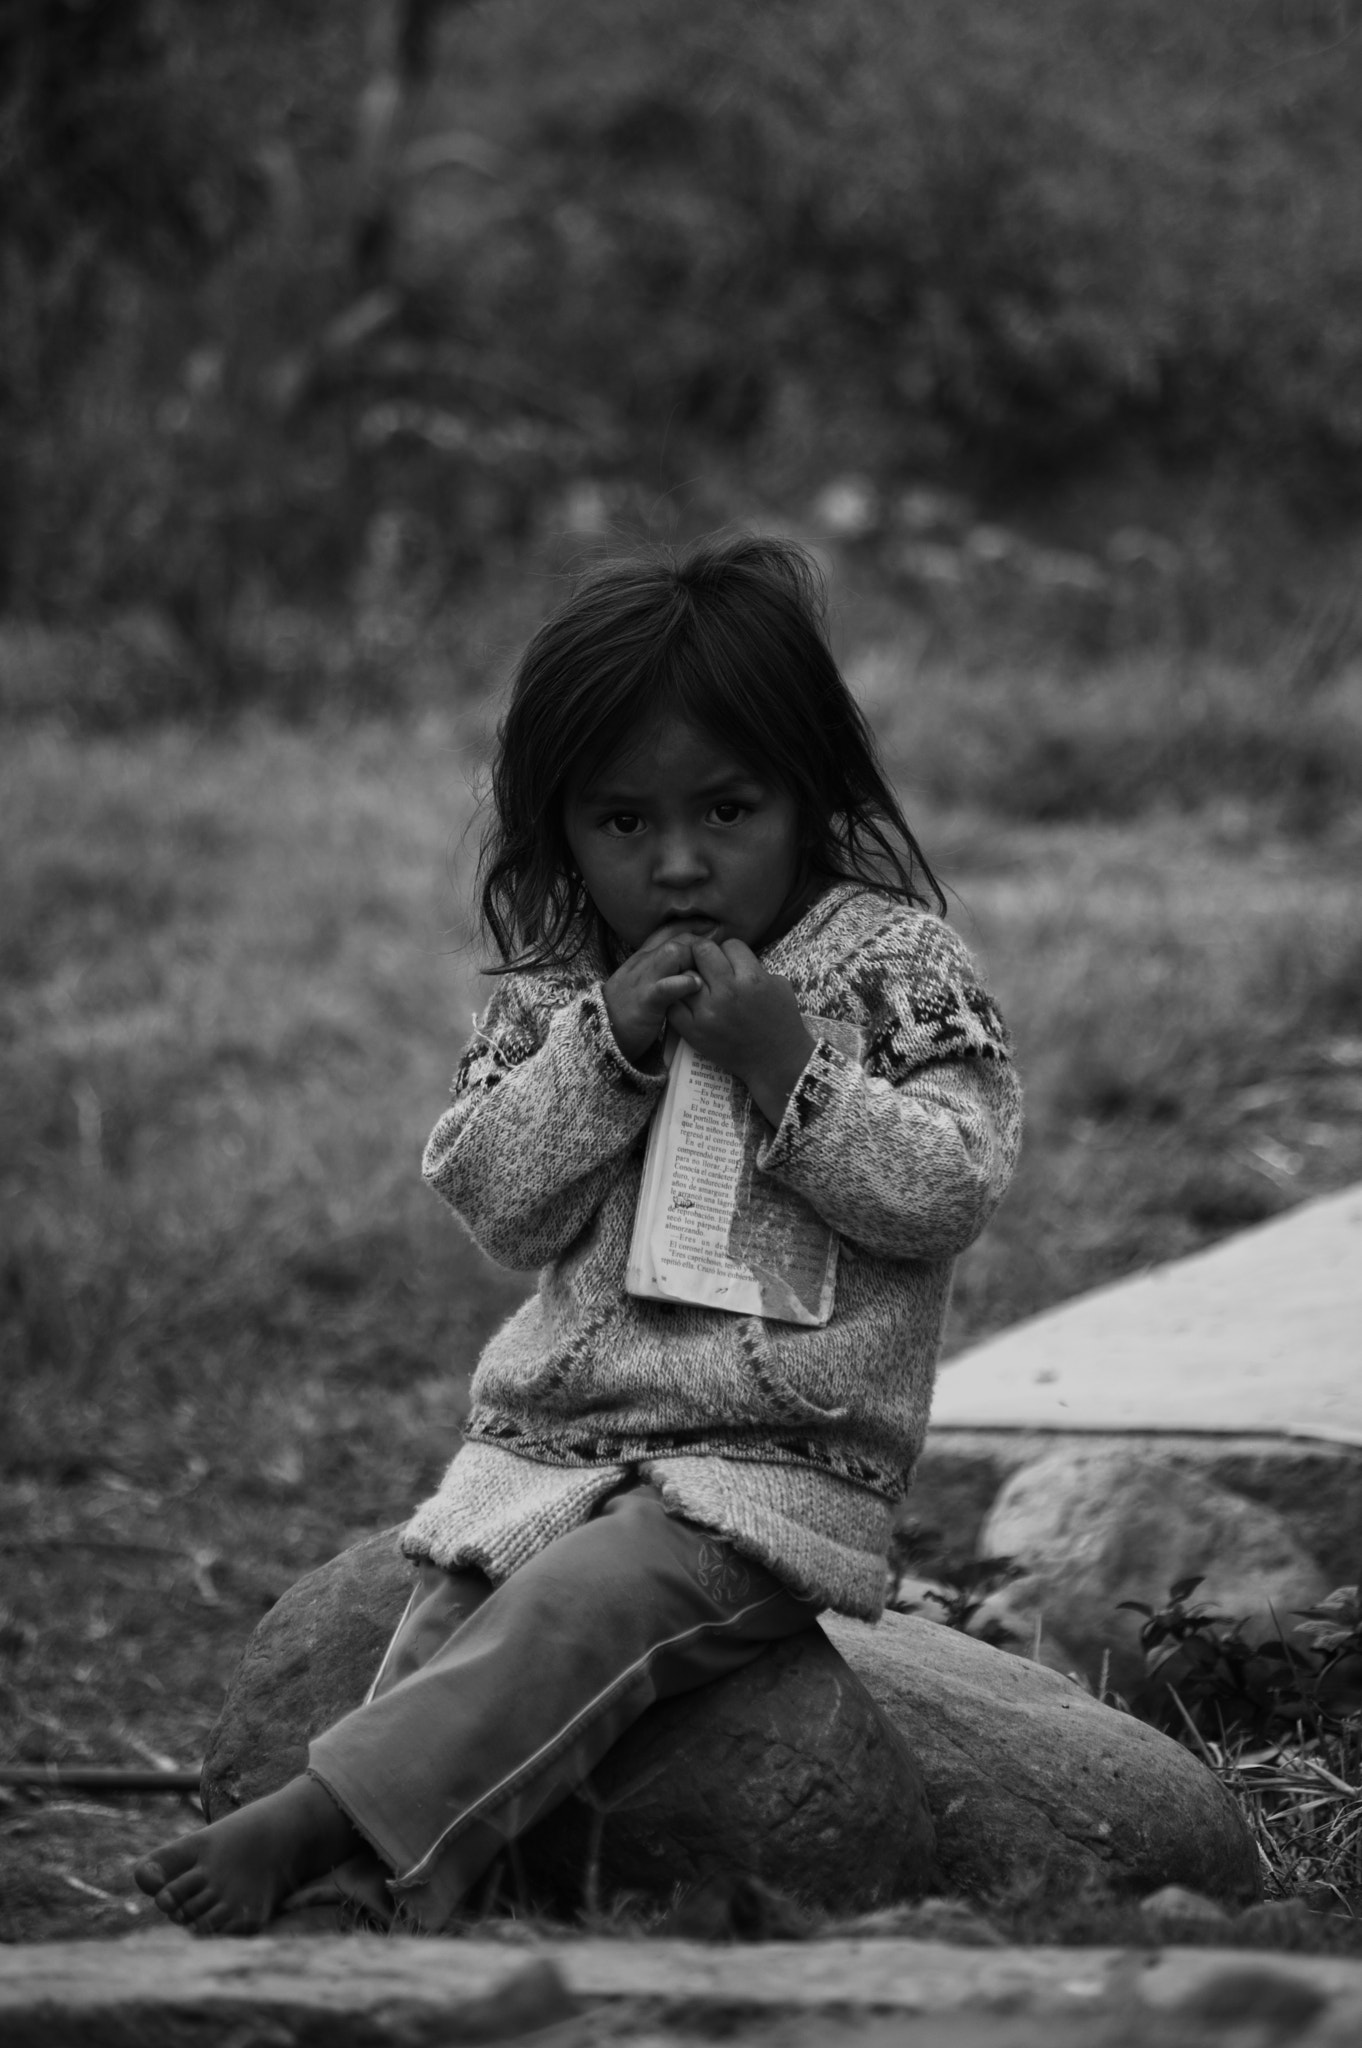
232, 1876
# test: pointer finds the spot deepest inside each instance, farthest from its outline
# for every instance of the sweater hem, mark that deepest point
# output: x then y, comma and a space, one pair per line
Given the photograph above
822, 1537
575, 1449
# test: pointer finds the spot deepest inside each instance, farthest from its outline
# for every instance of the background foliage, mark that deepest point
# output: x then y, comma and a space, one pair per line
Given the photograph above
248, 366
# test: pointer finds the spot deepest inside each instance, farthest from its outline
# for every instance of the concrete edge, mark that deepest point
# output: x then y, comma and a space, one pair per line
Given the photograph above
370, 1989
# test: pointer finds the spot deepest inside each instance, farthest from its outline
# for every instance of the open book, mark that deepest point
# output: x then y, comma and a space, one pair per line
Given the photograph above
710, 1227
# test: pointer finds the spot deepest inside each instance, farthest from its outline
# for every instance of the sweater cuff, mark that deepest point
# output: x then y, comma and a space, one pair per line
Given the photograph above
603, 1049
826, 1077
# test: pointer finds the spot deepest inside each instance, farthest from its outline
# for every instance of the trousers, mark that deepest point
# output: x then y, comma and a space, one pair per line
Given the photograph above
492, 1704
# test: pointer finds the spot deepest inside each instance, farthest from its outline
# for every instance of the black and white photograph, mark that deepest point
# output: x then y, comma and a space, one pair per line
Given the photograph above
681, 1023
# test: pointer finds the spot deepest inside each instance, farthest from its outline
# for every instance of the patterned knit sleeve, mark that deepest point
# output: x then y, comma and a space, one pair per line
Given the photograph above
907, 1155
545, 1110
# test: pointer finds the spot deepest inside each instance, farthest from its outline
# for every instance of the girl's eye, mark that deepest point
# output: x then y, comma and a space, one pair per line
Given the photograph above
730, 812
625, 823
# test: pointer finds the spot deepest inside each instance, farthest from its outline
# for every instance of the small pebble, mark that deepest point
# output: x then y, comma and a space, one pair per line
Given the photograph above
1176, 1904
534, 1996
1275, 2005
929, 1920
1277, 1922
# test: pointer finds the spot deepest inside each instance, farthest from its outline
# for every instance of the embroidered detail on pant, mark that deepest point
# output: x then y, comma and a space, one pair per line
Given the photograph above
721, 1573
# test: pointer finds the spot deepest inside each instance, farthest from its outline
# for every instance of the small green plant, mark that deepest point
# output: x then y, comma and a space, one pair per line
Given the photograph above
1205, 1671
1334, 1630
1280, 1723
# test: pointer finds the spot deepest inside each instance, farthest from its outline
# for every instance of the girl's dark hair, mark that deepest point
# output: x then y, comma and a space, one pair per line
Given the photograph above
730, 637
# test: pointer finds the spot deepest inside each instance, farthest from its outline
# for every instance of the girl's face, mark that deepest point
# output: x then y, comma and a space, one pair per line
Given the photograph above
674, 830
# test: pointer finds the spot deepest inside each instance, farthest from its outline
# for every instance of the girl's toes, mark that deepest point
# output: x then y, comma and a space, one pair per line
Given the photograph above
149, 1877
168, 1866
226, 1918
184, 1903
181, 1895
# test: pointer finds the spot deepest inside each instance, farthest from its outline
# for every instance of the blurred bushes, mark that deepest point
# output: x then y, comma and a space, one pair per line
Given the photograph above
112, 152
275, 413
1038, 229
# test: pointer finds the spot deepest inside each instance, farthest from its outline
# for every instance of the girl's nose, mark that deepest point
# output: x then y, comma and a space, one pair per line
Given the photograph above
680, 860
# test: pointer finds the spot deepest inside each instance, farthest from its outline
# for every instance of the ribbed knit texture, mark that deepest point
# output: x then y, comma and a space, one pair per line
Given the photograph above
794, 1443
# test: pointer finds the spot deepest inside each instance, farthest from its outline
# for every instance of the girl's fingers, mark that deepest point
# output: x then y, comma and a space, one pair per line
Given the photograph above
664, 942
676, 988
713, 962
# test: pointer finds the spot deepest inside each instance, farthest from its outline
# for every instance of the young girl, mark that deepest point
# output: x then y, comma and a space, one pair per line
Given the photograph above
691, 830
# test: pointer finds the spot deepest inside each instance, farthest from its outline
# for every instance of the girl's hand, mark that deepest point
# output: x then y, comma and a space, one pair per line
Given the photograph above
639, 995
746, 1021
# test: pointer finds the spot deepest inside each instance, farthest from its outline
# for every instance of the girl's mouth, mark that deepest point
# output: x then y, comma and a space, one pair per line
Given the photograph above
694, 920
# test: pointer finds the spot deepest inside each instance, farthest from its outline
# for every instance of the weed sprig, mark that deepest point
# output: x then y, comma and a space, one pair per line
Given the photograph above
1279, 1722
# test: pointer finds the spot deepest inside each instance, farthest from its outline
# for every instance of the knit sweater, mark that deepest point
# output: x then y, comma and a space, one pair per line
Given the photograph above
794, 1443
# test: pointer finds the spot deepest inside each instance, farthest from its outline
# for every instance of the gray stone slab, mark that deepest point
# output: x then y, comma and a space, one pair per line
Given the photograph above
366, 1992
1259, 1336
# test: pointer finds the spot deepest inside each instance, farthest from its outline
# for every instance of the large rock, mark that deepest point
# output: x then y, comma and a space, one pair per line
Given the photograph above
786, 1770
1316, 1488
1096, 1527
308, 1662
1030, 1778
1237, 1363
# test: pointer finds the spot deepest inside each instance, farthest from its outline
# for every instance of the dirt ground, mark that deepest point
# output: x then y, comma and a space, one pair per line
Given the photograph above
128, 1610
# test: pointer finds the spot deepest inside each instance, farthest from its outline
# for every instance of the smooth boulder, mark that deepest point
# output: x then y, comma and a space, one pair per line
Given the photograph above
786, 1771
1031, 1780
1094, 1528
